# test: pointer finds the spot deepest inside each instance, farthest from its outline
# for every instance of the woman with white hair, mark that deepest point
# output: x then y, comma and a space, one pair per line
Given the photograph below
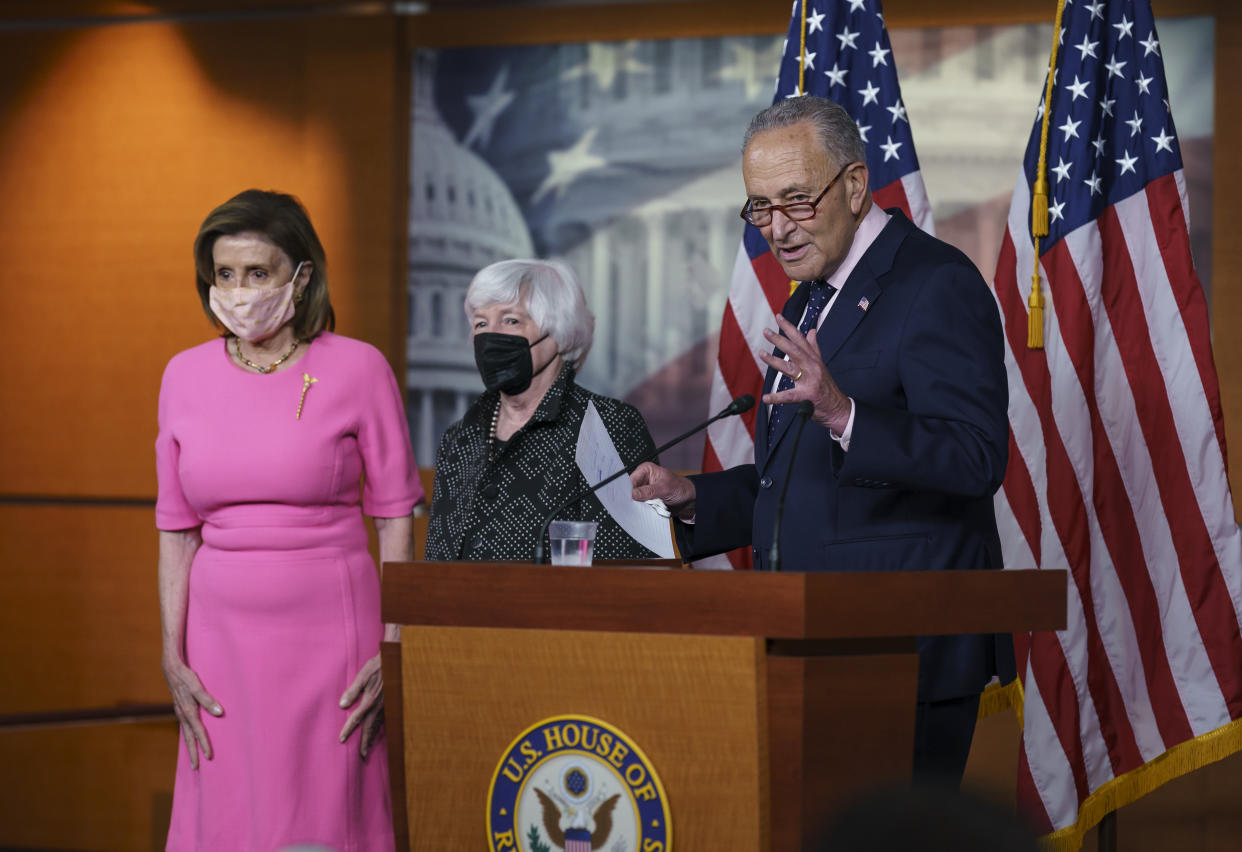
510, 460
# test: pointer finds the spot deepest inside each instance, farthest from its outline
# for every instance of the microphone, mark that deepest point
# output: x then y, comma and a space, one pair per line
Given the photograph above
742, 404
774, 552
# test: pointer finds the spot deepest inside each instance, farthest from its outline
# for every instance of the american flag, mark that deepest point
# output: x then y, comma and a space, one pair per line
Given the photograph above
1117, 468
847, 58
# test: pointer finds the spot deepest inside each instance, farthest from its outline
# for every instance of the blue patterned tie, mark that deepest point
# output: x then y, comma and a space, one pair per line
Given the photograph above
821, 292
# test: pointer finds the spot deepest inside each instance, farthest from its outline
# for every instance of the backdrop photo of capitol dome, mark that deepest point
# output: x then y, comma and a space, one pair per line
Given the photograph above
623, 158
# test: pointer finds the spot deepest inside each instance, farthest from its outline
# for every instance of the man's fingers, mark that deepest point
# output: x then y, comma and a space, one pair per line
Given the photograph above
790, 337
649, 481
812, 342
646, 492
789, 368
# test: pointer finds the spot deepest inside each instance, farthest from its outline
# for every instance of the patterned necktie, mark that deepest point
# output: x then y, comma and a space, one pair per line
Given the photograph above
821, 292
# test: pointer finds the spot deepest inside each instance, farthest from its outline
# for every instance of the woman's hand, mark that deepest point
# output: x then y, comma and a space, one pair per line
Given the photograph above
367, 691
188, 696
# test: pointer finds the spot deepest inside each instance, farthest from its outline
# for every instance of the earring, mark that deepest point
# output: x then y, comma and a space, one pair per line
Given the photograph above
297, 297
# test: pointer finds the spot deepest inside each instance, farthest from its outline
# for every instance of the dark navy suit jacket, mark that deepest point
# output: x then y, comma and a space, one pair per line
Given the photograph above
915, 338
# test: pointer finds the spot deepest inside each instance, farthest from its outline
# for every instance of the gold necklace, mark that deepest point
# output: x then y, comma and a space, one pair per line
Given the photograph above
259, 368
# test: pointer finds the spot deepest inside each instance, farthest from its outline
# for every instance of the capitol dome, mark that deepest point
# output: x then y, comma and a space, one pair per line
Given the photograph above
461, 218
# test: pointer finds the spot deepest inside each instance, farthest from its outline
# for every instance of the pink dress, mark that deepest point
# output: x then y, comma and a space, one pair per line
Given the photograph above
284, 597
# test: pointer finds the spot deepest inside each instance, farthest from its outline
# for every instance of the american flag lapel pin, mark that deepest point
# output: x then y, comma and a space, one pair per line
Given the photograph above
864, 303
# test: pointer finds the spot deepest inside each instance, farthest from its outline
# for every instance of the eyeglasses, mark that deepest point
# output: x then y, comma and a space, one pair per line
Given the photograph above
799, 212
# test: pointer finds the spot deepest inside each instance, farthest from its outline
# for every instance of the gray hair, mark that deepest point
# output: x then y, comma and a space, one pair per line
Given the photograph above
837, 132
550, 293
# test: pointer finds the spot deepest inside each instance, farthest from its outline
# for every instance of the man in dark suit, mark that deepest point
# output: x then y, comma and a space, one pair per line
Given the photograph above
896, 341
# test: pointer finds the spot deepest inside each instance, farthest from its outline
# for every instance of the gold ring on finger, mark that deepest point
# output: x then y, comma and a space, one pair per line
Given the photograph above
795, 378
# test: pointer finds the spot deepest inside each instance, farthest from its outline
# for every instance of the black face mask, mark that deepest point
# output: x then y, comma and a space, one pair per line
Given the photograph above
504, 361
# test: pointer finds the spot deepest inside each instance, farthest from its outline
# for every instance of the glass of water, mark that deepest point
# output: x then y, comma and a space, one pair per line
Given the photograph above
572, 542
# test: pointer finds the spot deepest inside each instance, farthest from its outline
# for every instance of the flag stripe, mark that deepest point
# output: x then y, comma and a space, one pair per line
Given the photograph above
1193, 402
1087, 654
1036, 812
775, 283
1191, 667
1215, 614
1050, 688
1067, 510
920, 205
893, 195
739, 377
1115, 518
1165, 200
1062, 670
1022, 503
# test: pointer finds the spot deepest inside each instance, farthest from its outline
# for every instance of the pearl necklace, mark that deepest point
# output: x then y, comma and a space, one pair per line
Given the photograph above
259, 368
491, 434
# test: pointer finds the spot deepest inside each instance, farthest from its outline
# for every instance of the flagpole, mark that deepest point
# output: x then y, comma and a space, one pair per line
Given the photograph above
1106, 838
802, 55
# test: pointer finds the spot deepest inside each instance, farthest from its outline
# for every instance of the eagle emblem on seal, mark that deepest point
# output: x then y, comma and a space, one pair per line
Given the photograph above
576, 784
587, 819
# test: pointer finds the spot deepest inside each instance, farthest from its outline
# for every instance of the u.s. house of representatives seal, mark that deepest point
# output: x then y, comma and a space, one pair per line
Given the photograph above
576, 784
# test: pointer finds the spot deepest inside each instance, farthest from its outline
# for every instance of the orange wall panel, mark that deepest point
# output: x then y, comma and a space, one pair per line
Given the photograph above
81, 625
89, 787
115, 144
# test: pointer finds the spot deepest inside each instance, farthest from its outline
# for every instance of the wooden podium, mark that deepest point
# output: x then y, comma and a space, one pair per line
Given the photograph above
760, 699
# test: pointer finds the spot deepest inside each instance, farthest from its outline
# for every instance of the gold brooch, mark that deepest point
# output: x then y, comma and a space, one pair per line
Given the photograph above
307, 381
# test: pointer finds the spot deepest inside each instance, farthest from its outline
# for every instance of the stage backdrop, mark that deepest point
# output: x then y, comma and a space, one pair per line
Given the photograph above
623, 159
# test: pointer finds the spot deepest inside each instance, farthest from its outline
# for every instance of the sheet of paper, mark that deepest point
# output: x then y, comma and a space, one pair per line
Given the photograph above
598, 459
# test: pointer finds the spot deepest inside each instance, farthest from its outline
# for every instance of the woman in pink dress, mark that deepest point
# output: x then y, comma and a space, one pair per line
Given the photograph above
274, 440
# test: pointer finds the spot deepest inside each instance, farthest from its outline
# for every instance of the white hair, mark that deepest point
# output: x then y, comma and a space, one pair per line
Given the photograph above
549, 291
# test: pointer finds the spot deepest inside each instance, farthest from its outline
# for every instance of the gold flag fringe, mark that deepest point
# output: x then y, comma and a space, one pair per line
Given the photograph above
1002, 696
1126, 789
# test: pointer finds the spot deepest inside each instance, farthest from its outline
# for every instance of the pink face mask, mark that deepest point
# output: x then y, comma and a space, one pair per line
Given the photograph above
254, 313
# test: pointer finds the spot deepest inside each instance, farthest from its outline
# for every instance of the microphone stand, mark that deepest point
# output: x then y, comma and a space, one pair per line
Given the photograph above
774, 552
741, 404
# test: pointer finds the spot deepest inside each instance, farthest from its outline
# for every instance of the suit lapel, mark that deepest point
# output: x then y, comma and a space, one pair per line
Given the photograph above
863, 287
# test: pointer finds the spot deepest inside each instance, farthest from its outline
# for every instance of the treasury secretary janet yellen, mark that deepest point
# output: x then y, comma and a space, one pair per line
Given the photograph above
510, 460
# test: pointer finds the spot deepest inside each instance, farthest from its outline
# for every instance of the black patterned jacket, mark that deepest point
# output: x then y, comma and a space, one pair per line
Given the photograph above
485, 509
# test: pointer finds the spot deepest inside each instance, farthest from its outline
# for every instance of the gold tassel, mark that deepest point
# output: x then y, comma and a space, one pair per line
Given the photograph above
1039, 206
1039, 196
1035, 320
